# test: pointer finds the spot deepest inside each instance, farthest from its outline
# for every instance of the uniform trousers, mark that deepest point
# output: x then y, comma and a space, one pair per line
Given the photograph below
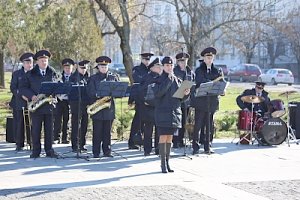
61, 120
101, 134
37, 121
136, 124
75, 125
201, 121
20, 129
148, 132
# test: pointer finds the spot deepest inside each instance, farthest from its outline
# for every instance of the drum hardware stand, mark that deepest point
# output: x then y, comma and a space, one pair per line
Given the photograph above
291, 134
251, 129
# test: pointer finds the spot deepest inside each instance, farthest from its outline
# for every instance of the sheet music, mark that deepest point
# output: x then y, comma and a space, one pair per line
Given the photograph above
180, 91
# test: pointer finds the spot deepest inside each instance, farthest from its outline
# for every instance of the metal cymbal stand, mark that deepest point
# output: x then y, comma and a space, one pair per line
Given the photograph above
291, 134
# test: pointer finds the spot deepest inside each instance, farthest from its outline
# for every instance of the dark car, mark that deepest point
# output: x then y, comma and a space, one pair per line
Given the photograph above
118, 68
244, 72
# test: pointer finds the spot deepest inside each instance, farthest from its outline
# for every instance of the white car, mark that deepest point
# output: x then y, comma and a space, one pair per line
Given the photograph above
275, 76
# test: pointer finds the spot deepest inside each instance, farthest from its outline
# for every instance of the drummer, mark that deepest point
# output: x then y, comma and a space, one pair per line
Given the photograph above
258, 96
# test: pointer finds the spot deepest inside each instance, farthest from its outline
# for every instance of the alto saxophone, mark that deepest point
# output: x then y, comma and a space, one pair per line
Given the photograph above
98, 105
41, 100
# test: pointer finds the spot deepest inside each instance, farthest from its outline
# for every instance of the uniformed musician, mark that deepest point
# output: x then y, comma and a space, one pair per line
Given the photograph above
79, 78
205, 73
62, 107
183, 72
155, 67
18, 102
103, 119
168, 113
41, 72
138, 73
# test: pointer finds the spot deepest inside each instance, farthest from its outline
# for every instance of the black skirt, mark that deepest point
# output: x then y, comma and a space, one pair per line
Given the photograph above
166, 130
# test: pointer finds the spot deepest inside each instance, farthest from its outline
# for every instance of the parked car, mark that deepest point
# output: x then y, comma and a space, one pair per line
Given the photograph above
118, 68
275, 76
223, 67
244, 72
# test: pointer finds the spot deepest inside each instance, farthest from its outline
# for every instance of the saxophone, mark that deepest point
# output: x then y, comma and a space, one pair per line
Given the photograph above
98, 105
41, 100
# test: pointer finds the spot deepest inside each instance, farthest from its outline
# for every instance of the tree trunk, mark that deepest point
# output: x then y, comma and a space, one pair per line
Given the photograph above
2, 83
127, 56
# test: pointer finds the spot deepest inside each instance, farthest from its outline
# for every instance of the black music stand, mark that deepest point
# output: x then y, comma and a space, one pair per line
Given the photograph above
208, 90
78, 93
114, 89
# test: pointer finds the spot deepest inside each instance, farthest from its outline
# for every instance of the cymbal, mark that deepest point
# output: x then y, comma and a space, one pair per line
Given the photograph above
287, 93
252, 99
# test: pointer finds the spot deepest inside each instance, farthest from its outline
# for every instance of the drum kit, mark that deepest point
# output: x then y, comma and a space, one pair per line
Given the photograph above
269, 129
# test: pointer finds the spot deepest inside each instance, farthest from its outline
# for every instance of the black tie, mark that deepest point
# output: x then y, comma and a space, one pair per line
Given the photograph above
208, 71
67, 78
43, 73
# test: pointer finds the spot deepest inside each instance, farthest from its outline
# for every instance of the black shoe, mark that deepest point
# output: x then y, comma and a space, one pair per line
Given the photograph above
74, 150
19, 148
34, 156
52, 154
96, 156
83, 149
181, 144
209, 152
108, 155
65, 142
156, 151
195, 152
175, 145
146, 154
133, 147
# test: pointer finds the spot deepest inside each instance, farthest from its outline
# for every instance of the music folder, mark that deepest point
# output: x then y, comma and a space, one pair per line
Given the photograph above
112, 88
180, 91
53, 88
211, 88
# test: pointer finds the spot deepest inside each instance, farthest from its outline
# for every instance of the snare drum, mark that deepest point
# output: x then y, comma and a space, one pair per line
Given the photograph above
276, 108
244, 122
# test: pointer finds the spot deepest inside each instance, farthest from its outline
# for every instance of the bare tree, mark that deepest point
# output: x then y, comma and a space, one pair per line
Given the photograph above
206, 18
121, 13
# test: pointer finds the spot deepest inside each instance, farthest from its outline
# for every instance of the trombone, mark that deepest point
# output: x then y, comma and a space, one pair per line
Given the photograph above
27, 126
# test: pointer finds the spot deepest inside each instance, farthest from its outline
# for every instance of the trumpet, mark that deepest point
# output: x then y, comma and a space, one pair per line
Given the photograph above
98, 105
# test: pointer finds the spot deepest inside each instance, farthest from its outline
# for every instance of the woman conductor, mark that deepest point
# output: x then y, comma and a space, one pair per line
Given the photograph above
167, 111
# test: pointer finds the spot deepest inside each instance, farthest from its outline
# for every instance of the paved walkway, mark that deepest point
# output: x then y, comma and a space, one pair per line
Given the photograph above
233, 172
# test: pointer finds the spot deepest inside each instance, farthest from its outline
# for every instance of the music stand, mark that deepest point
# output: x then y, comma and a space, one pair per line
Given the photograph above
78, 93
208, 90
114, 89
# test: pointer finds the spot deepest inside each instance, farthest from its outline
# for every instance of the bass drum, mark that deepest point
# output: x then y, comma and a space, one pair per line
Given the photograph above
274, 131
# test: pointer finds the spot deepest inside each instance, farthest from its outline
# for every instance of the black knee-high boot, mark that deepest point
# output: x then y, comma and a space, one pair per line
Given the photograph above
168, 150
162, 152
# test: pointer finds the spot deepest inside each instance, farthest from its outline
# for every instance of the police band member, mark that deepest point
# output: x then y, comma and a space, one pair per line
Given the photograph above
167, 111
206, 72
183, 72
103, 119
150, 79
62, 107
42, 115
138, 73
259, 91
80, 79
18, 102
